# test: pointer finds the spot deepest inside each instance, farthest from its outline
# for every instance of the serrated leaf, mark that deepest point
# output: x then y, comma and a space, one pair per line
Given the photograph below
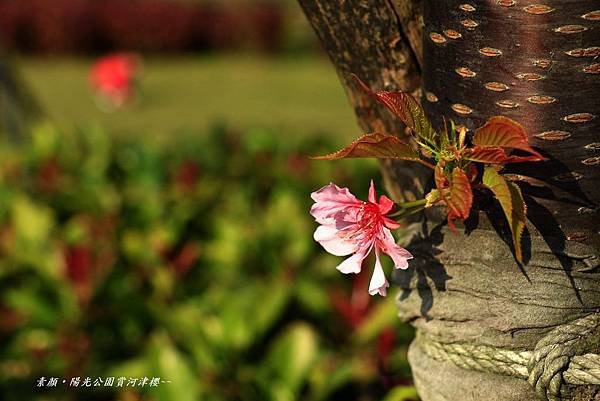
506, 133
445, 140
461, 194
495, 155
441, 181
517, 223
510, 198
407, 109
456, 193
499, 186
375, 145
410, 112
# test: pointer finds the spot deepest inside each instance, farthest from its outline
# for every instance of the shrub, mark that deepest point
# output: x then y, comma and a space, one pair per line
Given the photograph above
193, 262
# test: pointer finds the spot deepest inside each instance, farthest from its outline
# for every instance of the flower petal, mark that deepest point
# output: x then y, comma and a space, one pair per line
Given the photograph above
378, 284
353, 264
372, 195
333, 243
330, 200
347, 218
385, 204
398, 254
389, 223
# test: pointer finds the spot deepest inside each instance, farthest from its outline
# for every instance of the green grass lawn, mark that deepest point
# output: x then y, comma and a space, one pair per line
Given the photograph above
290, 96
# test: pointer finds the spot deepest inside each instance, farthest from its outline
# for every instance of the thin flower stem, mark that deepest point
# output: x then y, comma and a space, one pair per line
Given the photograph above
407, 212
408, 208
416, 210
408, 205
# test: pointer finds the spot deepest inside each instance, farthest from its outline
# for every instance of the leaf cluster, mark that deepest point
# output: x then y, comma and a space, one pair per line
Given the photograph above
455, 158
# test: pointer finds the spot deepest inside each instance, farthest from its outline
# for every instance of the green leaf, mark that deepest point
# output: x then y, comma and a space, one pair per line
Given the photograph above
33, 222
329, 374
445, 135
407, 109
135, 367
402, 393
384, 314
165, 361
181, 321
290, 359
376, 145
268, 309
506, 133
30, 302
312, 296
510, 198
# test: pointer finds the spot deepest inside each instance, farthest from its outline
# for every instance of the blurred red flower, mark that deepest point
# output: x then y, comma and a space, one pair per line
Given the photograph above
112, 78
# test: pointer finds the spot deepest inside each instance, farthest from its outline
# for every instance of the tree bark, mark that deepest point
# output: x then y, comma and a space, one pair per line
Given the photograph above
469, 289
538, 64
535, 63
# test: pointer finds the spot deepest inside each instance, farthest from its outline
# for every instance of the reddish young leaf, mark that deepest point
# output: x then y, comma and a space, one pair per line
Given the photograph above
408, 110
472, 172
504, 132
510, 198
459, 197
374, 145
495, 155
482, 154
441, 181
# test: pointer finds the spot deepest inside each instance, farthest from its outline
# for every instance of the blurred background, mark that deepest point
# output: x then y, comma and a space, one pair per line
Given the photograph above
154, 195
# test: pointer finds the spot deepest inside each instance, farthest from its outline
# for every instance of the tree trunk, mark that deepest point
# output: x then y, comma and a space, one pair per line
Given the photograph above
365, 38
535, 64
17, 106
538, 64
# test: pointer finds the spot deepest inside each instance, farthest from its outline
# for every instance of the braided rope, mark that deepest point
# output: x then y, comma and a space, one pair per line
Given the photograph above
558, 357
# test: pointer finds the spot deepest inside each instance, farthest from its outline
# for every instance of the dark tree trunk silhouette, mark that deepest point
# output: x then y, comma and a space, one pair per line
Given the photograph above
538, 64
365, 38
17, 106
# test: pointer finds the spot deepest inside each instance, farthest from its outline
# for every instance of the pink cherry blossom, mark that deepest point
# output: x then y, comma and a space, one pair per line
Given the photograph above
349, 226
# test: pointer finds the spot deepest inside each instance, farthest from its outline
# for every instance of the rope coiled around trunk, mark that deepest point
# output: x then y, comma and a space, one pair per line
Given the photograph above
560, 357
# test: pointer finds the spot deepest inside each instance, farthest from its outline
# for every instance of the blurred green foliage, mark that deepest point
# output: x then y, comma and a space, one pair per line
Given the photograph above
192, 261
